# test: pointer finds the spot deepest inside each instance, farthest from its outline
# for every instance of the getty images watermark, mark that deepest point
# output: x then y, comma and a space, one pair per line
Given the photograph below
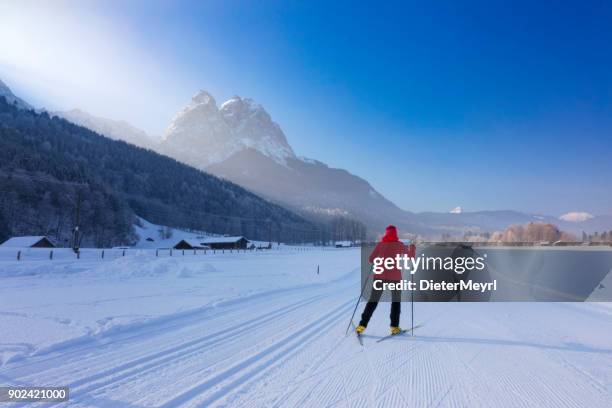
412, 264
467, 272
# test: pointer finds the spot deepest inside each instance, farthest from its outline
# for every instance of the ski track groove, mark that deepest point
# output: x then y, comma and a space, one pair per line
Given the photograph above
303, 346
320, 335
285, 343
181, 352
134, 362
154, 360
152, 328
211, 369
310, 373
313, 370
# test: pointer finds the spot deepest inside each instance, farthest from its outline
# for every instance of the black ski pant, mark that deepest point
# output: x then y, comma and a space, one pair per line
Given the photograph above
396, 307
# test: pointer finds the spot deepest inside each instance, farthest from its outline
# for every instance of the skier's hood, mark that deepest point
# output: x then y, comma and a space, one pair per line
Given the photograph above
390, 234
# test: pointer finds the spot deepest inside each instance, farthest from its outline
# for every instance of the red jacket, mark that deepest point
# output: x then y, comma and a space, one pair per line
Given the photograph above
389, 247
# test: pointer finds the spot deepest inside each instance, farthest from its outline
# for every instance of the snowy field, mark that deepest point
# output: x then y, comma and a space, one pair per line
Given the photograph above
264, 329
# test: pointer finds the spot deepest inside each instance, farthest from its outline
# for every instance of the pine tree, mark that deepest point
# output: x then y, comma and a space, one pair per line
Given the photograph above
5, 232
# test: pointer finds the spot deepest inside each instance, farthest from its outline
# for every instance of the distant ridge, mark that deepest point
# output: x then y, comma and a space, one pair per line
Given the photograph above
6, 92
240, 142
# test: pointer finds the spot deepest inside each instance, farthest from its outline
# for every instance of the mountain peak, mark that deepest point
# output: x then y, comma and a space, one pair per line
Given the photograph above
11, 98
76, 111
236, 99
202, 134
203, 97
241, 109
238, 103
254, 128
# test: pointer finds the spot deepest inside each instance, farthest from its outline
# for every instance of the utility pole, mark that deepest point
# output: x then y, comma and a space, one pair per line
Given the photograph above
77, 221
270, 233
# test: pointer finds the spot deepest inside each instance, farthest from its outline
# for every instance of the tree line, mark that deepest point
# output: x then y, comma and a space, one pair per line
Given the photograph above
604, 237
49, 167
532, 232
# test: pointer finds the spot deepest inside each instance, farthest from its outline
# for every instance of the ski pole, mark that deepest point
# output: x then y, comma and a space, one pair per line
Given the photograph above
357, 304
413, 253
412, 305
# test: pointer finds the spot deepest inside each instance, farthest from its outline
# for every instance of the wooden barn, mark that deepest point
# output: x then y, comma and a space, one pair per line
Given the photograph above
29, 242
238, 242
343, 244
190, 244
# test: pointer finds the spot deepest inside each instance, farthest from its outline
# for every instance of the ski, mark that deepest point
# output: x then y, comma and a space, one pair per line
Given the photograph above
398, 334
359, 338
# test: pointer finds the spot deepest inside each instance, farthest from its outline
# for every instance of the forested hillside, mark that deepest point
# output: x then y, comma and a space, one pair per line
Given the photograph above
49, 167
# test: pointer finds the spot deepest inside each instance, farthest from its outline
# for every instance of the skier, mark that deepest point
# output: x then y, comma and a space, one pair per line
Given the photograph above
388, 247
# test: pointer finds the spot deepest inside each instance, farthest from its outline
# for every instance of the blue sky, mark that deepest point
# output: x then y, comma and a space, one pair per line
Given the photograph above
484, 105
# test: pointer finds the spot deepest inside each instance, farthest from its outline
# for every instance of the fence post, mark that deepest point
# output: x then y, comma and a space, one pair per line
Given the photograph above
18, 255
123, 253
157, 252
51, 254
183, 252
194, 251
171, 252
78, 254
102, 254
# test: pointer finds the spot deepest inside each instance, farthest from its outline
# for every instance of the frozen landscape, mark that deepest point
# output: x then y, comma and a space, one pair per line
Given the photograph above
193, 194
262, 328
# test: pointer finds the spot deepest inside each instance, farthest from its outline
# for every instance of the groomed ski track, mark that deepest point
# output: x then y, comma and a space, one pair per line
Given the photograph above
287, 348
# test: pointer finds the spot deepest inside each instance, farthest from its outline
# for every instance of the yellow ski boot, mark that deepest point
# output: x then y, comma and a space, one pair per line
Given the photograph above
395, 330
360, 329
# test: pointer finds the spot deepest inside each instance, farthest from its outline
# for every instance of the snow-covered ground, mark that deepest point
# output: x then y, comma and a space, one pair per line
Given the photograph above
264, 329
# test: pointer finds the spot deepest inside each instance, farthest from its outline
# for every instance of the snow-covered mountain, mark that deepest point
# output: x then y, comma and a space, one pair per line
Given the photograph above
198, 135
252, 127
309, 186
202, 134
11, 98
239, 141
113, 129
